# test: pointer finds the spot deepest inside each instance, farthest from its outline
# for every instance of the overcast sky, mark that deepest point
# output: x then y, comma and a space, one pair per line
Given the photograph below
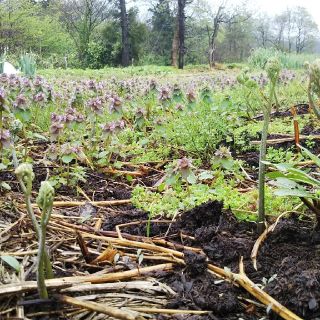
275, 6
272, 7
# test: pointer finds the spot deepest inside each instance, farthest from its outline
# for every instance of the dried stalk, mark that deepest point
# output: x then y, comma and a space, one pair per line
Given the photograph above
15, 288
242, 279
288, 139
168, 311
65, 204
124, 172
263, 236
93, 306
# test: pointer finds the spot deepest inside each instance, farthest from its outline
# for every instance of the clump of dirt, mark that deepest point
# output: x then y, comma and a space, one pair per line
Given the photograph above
288, 261
288, 264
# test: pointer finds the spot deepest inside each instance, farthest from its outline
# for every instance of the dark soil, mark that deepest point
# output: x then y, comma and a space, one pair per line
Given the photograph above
291, 255
301, 108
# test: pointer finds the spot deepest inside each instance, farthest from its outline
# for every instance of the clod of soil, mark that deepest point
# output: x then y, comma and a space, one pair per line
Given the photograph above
288, 264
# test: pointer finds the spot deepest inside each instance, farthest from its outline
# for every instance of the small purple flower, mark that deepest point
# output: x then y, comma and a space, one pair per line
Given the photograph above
91, 85
96, 105
164, 94
57, 118
52, 152
100, 86
113, 127
153, 84
79, 117
184, 163
56, 129
140, 113
69, 118
179, 107
20, 102
191, 96
2, 96
70, 115
38, 81
108, 128
39, 97
184, 166
223, 153
115, 104
3, 78
5, 139
25, 82
14, 83
66, 149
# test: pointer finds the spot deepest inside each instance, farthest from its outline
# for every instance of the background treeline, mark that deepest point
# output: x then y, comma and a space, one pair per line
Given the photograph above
98, 33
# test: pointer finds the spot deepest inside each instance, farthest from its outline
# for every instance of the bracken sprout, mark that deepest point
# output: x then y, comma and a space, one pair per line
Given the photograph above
314, 85
25, 176
273, 69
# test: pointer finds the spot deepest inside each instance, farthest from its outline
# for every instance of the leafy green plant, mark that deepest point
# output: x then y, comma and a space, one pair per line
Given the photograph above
28, 64
294, 182
279, 155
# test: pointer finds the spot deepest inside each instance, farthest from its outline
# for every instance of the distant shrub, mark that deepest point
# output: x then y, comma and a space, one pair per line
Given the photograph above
260, 56
28, 64
2, 59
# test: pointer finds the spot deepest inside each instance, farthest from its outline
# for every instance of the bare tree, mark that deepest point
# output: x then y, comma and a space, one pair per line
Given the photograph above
305, 29
175, 45
280, 23
125, 34
81, 18
181, 31
263, 32
178, 41
289, 28
222, 17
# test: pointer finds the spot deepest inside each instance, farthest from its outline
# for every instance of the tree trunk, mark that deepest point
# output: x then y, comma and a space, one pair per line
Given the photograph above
175, 45
125, 34
213, 37
181, 18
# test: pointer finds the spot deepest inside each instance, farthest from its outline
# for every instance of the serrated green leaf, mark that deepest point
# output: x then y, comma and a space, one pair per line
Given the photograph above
23, 115
12, 262
39, 136
5, 186
129, 178
205, 175
67, 158
293, 193
192, 179
311, 155
227, 163
285, 183
118, 165
301, 176
283, 166
275, 175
